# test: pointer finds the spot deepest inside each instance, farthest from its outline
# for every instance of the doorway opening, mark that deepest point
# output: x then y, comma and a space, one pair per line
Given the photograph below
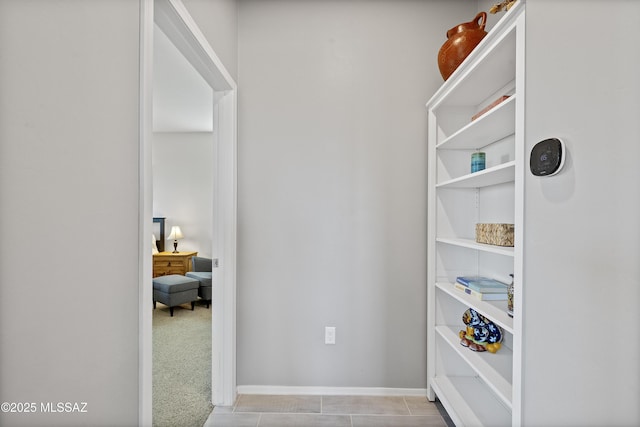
175, 22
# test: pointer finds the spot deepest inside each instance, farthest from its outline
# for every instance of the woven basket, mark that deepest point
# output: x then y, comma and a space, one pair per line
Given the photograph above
495, 234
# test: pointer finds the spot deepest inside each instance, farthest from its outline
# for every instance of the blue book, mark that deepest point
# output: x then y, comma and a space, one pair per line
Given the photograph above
486, 296
483, 284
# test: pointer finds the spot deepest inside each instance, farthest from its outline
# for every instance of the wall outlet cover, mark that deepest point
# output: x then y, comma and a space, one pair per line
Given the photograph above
330, 335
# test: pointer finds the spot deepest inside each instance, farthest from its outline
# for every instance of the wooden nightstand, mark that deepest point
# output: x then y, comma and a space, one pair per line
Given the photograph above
166, 263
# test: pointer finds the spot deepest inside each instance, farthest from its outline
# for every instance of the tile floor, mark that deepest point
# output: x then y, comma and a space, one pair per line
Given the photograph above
327, 411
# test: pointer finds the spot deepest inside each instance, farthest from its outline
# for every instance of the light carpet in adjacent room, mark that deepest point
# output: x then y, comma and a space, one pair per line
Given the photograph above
181, 366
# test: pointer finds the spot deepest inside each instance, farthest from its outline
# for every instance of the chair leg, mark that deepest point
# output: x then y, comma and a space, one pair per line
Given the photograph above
193, 305
171, 311
154, 304
208, 302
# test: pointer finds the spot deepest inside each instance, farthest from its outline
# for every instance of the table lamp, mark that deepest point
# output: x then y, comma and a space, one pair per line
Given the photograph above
175, 235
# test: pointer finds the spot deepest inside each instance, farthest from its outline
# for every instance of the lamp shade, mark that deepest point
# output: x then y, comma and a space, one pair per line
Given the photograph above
176, 233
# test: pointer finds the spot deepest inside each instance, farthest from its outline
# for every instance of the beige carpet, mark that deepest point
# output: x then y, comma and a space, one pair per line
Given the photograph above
181, 366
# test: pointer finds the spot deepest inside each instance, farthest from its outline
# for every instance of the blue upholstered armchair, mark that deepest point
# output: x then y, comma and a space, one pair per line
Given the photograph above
202, 272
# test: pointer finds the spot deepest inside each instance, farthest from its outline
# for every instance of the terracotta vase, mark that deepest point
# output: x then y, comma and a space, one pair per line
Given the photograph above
461, 40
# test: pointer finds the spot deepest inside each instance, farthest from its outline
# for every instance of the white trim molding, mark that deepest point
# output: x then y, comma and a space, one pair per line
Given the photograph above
331, 391
145, 213
173, 19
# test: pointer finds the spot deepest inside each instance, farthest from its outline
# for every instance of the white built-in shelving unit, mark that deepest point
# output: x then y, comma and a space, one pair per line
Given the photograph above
477, 389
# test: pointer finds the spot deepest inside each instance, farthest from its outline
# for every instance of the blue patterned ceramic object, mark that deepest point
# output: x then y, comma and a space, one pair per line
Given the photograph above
484, 330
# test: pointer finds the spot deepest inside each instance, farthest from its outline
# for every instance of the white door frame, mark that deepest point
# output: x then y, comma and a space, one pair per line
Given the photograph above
175, 21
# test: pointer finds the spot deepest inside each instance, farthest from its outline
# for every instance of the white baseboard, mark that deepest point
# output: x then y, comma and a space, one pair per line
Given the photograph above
331, 391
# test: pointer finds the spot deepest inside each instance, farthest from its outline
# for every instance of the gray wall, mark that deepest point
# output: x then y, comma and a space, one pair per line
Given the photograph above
331, 200
582, 234
69, 218
332, 189
69, 134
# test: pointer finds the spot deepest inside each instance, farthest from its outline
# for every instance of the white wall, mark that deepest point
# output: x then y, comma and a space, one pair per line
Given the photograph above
582, 234
332, 188
183, 187
69, 216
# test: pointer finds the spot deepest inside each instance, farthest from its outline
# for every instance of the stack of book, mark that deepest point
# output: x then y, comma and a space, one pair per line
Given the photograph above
482, 288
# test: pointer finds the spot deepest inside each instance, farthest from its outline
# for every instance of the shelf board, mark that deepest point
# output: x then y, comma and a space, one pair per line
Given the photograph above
472, 244
468, 403
494, 310
488, 67
495, 369
492, 126
500, 174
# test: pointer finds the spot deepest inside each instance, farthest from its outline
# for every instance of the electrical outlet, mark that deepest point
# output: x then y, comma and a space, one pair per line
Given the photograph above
330, 335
